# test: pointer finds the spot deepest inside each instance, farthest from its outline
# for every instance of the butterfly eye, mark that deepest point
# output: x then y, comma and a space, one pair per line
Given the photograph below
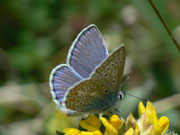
121, 95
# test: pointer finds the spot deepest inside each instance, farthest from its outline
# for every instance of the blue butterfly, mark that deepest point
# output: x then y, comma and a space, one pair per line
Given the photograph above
91, 79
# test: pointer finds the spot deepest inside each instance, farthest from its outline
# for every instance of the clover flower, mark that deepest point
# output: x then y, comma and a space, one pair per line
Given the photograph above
147, 124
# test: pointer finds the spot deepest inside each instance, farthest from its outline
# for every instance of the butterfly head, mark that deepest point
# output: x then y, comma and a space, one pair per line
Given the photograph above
121, 95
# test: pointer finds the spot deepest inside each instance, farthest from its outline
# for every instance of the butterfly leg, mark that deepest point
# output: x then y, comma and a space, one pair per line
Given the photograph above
111, 112
118, 113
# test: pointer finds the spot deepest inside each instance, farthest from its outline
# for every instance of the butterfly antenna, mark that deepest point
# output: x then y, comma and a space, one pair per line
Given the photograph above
145, 100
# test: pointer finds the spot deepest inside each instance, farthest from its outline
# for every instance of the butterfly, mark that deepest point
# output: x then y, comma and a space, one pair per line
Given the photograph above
91, 79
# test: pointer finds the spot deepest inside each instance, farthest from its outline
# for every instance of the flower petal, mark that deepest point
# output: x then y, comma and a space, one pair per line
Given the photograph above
130, 132
141, 109
85, 133
108, 126
91, 133
137, 130
71, 131
143, 122
151, 113
92, 123
163, 124
131, 123
116, 122
149, 131
97, 133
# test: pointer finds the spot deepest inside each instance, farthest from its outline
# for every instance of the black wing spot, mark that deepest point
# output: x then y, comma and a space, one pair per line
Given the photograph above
102, 85
106, 91
108, 68
105, 75
113, 81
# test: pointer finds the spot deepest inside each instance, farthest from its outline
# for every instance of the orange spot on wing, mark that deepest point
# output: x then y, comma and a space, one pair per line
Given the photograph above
72, 99
76, 90
74, 93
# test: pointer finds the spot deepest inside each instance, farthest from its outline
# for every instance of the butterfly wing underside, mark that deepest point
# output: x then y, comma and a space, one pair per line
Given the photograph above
87, 51
111, 69
90, 95
61, 79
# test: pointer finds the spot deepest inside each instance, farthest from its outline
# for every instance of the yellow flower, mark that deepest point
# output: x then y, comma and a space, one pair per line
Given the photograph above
92, 123
131, 126
91, 133
73, 131
149, 122
130, 132
113, 125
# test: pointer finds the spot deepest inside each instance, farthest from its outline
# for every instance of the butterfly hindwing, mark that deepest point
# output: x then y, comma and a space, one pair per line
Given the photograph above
111, 69
87, 51
90, 95
62, 77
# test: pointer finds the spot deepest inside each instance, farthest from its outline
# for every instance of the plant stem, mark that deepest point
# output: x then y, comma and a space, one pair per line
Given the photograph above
165, 25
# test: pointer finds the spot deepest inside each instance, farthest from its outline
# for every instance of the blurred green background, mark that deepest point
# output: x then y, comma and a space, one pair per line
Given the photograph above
35, 36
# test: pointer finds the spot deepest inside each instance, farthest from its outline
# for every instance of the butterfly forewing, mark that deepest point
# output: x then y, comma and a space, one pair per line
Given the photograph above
90, 95
111, 69
87, 51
